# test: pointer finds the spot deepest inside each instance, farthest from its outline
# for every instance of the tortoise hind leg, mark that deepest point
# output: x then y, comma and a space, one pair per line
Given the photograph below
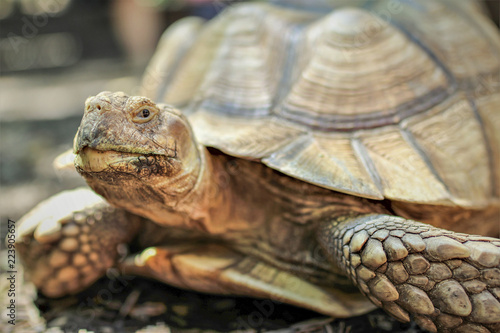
444, 280
69, 240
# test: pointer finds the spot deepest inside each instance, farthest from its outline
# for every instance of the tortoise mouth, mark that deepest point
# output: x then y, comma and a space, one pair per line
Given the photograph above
93, 160
90, 161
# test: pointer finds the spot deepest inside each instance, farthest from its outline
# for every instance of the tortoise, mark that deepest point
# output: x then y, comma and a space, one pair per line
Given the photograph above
337, 158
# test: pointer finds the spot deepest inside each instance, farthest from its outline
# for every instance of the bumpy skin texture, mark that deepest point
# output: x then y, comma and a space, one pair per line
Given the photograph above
445, 280
69, 241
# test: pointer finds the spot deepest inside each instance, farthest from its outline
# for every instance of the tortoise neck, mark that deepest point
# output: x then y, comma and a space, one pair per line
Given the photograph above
205, 201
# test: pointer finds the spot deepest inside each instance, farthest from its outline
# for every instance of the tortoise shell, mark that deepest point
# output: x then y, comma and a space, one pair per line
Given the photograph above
396, 100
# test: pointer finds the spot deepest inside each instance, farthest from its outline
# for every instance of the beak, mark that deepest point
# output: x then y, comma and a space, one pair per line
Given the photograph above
92, 133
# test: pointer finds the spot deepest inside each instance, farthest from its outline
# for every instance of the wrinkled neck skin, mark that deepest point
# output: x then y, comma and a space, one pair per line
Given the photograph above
202, 204
188, 197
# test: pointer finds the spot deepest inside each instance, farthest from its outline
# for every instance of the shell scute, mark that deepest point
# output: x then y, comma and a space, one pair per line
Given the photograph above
328, 161
452, 139
352, 64
403, 171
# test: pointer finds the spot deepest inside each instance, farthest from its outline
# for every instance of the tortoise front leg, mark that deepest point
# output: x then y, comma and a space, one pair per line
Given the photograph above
69, 240
444, 280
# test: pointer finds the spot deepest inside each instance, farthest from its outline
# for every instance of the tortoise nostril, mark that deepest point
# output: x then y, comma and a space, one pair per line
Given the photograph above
98, 106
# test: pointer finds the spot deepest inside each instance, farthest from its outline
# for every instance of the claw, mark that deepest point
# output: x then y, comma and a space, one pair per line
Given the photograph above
48, 231
69, 240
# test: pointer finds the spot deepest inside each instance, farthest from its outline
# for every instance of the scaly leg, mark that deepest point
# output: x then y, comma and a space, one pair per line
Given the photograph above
444, 280
69, 240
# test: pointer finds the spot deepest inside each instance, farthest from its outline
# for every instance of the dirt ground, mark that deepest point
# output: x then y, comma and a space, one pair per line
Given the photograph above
148, 306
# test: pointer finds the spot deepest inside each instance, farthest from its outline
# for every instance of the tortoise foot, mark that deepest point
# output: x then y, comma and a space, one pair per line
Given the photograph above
443, 280
68, 241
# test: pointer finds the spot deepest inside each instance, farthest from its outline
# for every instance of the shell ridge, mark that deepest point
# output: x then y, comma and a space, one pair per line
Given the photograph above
487, 145
367, 162
416, 147
291, 57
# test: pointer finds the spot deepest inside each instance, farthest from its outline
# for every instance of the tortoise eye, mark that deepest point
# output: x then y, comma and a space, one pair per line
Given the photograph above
144, 115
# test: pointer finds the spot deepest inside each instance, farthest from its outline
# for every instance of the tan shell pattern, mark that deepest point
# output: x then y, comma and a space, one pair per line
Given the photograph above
397, 100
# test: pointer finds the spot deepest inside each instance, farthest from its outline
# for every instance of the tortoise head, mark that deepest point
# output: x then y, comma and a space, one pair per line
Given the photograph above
136, 153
